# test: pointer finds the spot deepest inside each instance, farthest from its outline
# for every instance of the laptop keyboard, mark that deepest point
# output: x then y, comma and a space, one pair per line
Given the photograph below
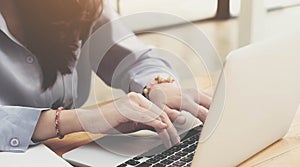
179, 155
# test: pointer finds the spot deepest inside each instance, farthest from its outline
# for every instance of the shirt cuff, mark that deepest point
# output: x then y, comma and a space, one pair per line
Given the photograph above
138, 83
17, 126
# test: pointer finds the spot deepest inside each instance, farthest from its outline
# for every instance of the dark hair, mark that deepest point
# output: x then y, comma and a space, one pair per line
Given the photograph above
51, 25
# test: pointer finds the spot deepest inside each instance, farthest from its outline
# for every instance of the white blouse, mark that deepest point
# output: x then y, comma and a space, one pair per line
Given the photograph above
21, 98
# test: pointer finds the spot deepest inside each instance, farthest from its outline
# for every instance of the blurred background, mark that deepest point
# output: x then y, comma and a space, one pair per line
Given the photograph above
228, 25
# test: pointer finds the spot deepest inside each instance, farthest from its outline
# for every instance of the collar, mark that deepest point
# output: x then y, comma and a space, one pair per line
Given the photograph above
3, 28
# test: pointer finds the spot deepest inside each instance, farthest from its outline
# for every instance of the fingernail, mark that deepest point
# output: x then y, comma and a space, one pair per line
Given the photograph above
178, 140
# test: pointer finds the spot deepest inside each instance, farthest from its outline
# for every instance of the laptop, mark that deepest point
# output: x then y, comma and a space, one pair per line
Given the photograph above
254, 103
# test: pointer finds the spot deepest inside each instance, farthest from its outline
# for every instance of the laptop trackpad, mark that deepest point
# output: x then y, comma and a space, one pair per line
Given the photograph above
111, 150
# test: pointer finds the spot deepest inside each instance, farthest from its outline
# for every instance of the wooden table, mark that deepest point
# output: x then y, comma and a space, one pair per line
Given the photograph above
285, 152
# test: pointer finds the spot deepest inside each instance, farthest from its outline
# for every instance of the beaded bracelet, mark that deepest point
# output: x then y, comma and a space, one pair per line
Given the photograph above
157, 80
57, 130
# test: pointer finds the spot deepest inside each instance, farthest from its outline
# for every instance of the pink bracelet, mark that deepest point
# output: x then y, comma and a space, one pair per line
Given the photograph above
57, 114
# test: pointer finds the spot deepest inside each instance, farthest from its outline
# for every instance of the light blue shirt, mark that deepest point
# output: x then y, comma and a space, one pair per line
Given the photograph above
21, 98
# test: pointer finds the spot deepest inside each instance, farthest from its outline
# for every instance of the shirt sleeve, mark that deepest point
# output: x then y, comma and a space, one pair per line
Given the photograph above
17, 126
127, 62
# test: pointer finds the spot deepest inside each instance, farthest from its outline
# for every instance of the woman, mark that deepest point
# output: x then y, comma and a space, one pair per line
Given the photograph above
44, 80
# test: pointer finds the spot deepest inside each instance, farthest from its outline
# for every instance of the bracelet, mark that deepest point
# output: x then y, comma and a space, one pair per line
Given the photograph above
157, 80
57, 114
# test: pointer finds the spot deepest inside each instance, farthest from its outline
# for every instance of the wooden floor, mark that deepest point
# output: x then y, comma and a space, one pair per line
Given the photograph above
223, 35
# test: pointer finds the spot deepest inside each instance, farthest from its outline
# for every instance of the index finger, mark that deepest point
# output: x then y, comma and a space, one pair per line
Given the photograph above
203, 99
171, 129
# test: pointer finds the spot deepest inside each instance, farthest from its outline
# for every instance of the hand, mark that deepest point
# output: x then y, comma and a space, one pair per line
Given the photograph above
170, 98
128, 114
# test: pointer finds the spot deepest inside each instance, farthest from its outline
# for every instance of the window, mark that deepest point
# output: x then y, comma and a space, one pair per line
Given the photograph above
190, 10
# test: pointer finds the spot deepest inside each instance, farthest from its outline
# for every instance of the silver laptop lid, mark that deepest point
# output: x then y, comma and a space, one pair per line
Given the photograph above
254, 104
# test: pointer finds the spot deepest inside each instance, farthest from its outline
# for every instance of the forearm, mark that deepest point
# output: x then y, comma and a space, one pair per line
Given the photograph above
45, 128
